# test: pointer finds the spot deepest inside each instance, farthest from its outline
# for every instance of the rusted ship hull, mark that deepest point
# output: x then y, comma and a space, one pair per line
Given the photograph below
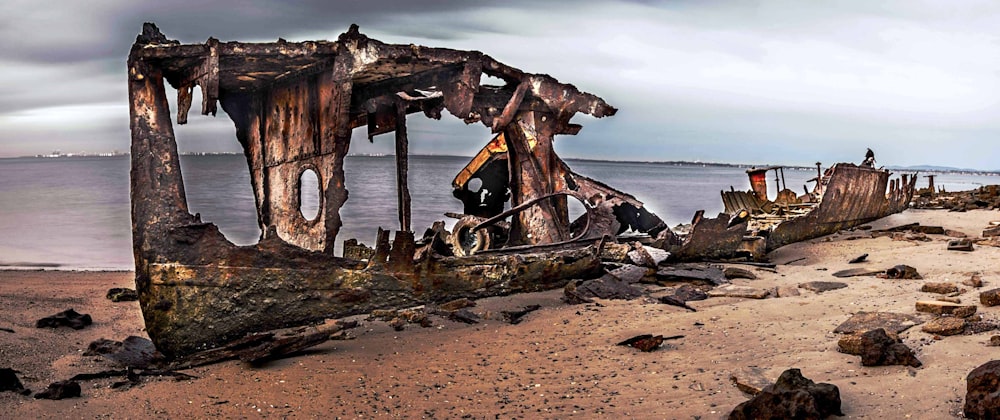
294, 107
854, 196
846, 196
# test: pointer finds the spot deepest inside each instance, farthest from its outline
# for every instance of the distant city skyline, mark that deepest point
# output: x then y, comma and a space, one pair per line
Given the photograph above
781, 82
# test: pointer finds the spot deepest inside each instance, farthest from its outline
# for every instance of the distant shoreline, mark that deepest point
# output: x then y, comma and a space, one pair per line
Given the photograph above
916, 168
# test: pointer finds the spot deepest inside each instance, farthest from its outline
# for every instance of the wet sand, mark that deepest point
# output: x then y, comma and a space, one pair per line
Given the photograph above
561, 361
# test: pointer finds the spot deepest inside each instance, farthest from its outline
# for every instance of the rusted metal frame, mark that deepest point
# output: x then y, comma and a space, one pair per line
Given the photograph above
209, 81
402, 167
533, 172
513, 105
523, 206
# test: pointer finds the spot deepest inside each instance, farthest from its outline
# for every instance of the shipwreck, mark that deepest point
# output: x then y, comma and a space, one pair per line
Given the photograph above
295, 105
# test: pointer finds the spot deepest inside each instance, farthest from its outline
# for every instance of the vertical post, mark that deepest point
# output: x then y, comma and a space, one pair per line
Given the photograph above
533, 173
402, 167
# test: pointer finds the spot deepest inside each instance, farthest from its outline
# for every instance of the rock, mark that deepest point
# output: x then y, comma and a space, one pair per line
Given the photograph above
68, 318
121, 294
902, 271
990, 297
979, 327
616, 252
994, 341
822, 286
464, 315
960, 245
955, 233
791, 396
982, 395
945, 308
786, 291
457, 304
892, 323
750, 380
855, 272
397, 324
939, 288
851, 343
692, 272
738, 273
607, 287
647, 256
929, 230
975, 280
516, 316
60, 390
730, 290
674, 301
630, 273
644, 342
948, 299
878, 349
10, 382
945, 325
687, 293
858, 259
572, 295
991, 231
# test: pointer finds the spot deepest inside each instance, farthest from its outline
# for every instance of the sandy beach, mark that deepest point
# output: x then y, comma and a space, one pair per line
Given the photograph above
561, 361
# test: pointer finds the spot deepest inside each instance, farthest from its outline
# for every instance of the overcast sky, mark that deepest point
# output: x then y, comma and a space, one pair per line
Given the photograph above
789, 82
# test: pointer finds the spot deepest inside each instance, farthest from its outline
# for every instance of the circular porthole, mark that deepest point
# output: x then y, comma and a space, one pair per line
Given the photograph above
309, 194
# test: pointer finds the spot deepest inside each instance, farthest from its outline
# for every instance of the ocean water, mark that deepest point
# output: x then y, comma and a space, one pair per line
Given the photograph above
73, 213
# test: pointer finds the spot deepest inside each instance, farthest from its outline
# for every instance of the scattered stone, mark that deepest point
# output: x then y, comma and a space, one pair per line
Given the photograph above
687, 293
893, 323
878, 349
945, 308
822, 286
750, 380
730, 290
990, 297
397, 324
939, 288
647, 342
692, 272
858, 259
674, 301
464, 315
917, 237
572, 295
948, 299
786, 291
994, 341
991, 231
647, 256
630, 273
457, 304
122, 294
975, 280
945, 325
902, 271
979, 327
10, 382
60, 390
982, 397
792, 396
955, 234
930, 230
68, 318
606, 287
960, 245
738, 273
516, 316
851, 343
855, 272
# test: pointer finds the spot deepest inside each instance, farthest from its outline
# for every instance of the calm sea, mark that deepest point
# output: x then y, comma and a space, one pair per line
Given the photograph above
73, 213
